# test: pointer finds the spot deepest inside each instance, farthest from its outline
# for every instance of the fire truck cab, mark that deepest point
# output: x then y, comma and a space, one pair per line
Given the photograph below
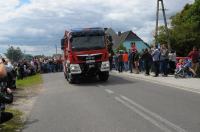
85, 54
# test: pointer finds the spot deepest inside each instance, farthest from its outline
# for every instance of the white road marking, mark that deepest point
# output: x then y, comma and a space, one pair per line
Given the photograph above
109, 91
151, 120
156, 116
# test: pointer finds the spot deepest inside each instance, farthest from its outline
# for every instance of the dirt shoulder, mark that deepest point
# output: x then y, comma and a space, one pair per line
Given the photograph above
24, 99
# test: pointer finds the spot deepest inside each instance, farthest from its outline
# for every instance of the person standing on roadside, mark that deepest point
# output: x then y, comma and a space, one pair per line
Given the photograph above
133, 52
5, 94
133, 48
130, 58
194, 55
199, 57
125, 59
111, 54
3, 72
136, 62
116, 61
198, 69
21, 70
156, 58
165, 59
199, 60
146, 56
172, 61
120, 62
11, 75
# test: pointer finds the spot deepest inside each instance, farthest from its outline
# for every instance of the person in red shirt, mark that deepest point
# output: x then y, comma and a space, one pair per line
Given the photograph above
133, 48
194, 55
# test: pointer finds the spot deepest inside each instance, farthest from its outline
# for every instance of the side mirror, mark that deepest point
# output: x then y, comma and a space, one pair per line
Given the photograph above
62, 43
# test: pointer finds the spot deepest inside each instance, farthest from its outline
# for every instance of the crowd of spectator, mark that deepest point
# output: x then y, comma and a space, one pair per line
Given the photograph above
9, 72
25, 68
51, 65
157, 59
38, 65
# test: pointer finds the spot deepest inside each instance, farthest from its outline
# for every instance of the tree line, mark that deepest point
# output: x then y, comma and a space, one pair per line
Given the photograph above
15, 54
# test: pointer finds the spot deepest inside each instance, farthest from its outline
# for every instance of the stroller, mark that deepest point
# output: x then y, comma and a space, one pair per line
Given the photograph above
183, 71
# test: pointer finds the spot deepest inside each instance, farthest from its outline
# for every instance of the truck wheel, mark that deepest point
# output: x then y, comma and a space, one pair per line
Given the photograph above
71, 79
65, 75
103, 76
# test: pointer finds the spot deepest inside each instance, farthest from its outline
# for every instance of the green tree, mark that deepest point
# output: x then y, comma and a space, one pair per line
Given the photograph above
14, 54
162, 37
39, 56
121, 47
185, 29
28, 57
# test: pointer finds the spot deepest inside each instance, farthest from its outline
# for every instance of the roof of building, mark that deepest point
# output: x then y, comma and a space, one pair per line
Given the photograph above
122, 37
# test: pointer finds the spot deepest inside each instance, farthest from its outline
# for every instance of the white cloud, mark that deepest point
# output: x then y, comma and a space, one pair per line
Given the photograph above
118, 16
4, 38
42, 22
34, 31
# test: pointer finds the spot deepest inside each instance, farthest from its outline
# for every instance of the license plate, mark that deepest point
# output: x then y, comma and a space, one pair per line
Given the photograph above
90, 61
91, 66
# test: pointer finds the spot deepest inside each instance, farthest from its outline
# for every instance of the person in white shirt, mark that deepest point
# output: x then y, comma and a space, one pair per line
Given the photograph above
172, 61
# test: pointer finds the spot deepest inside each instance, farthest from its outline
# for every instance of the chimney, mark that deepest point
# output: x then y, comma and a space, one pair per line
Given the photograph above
119, 33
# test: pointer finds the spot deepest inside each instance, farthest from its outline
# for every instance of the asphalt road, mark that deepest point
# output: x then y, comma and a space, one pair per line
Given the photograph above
119, 105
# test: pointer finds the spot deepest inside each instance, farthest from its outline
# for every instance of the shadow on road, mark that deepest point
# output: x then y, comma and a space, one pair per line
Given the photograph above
5, 116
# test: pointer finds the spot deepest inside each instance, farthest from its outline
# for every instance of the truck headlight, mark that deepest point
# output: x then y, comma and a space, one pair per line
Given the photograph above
105, 66
75, 69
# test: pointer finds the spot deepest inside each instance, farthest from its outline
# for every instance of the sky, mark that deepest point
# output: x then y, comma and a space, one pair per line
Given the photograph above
36, 26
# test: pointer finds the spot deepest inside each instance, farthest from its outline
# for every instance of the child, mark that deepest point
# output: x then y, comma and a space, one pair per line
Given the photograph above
186, 66
180, 64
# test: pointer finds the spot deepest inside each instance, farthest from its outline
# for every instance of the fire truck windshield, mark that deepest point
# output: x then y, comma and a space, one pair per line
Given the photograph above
87, 42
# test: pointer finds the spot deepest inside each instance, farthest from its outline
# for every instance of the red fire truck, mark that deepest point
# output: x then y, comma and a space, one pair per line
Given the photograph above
85, 54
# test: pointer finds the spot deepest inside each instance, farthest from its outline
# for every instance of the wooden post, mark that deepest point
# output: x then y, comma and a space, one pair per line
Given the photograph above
165, 21
157, 18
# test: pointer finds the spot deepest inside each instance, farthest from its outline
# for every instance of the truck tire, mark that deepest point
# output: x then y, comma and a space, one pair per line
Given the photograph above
65, 75
71, 79
103, 76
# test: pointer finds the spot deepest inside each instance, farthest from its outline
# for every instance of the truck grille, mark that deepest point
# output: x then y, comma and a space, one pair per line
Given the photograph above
85, 68
92, 57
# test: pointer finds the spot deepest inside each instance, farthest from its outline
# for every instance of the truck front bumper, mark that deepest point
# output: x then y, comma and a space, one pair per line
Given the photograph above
89, 69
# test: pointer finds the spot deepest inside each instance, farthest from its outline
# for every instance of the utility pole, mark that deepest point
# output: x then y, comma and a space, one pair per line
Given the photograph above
165, 21
56, 49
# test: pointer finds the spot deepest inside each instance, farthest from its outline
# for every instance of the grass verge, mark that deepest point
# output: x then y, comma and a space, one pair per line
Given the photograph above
29, 81
15, 123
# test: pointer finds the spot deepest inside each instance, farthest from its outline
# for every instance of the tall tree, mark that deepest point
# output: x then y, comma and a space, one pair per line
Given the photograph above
14, 54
